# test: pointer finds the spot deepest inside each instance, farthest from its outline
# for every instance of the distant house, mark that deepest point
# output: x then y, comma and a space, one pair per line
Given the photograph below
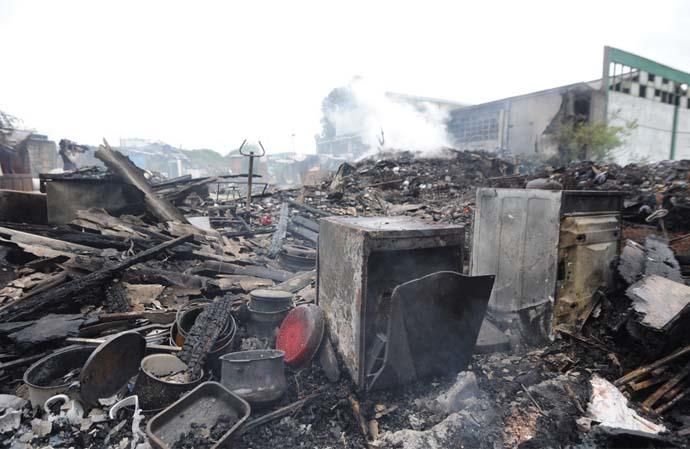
23, 156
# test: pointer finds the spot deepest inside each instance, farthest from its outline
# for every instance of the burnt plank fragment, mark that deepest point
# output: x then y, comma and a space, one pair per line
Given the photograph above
66, 291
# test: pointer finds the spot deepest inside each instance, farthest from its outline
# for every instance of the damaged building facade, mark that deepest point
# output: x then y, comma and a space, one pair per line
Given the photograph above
647, 98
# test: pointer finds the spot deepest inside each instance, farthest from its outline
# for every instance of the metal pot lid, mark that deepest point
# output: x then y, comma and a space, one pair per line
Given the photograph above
300, 334
270, 294
111, 366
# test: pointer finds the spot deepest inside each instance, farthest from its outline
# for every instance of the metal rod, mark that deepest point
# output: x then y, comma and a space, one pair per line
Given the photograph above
250, 178
98, 341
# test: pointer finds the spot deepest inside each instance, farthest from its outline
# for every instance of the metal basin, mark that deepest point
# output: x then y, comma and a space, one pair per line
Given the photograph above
41, 374
256, 376
155, 393
204, 406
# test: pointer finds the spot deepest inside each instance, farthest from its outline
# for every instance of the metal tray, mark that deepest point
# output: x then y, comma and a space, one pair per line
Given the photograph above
203, 405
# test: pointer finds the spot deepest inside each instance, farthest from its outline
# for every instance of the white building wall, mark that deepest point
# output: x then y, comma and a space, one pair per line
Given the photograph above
683, 133
528, 118
651, 140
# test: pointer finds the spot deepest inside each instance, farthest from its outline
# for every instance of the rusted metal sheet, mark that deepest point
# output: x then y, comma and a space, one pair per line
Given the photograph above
588, 245
66, 197
433, 327
23, 207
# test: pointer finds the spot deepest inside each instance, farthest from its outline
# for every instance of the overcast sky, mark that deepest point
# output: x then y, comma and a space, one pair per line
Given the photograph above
202, 74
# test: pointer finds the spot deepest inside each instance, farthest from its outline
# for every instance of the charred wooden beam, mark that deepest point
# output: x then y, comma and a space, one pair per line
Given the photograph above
44, 246
304, 233
70, 235
297, 282
641, 371
255, 231
122, 166
157, 317
146, 275
305, 222
256, 271
279, 235
45, 300
204, 333
180, 195
314, 211
172, 182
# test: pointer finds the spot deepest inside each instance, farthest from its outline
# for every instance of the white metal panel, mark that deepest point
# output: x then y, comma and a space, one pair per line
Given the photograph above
515, 238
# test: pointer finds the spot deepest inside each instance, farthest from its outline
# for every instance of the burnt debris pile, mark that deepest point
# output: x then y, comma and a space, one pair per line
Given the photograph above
404, 301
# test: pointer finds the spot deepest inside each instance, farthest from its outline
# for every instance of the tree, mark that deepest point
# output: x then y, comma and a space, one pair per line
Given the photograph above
590, 140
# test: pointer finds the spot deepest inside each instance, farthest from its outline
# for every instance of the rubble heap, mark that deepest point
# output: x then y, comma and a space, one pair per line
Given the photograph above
648, 187
198, 284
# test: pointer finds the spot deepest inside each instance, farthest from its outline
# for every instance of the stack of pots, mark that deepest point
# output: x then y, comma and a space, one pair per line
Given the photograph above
267, 309
41, 375
183, 324
154, 392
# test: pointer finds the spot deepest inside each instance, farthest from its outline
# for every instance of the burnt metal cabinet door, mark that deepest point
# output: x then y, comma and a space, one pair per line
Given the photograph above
515, 238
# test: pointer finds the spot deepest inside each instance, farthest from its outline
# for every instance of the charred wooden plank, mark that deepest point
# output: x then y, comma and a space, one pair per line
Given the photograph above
172, 182
256, 231
314, 211
204, 333
641, 371
212, 267
145, 275
46, 246
45, 300
279, 234
121, 165
116, 299
303, 233
70, 235
666, 387
157, 317
297, 282
180, 195
305, 222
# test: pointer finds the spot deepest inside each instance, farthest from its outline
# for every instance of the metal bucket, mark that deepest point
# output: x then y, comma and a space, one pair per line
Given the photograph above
40, 375
155, 393
256, 376
263, 300
184, 322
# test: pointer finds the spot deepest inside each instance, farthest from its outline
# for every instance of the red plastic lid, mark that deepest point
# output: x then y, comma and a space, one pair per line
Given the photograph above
300, 334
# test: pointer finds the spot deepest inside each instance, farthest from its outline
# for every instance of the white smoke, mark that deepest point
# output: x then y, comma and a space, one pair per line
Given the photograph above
376, 116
